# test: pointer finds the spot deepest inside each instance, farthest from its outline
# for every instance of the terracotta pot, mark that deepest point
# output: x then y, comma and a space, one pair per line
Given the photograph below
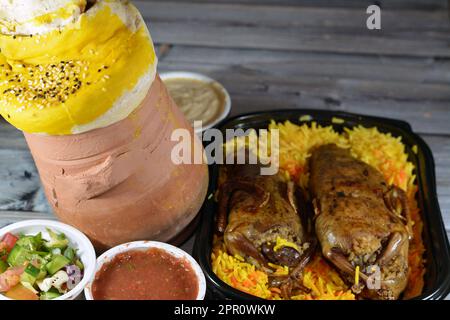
118, 184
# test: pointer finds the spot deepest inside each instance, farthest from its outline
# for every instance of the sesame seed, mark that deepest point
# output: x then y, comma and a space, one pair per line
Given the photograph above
45, 85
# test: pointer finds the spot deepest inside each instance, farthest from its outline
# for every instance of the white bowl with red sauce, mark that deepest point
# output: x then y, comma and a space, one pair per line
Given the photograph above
136, 260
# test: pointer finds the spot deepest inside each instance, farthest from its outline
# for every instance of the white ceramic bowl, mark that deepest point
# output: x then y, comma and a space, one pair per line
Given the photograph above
77, 240
145, 245
197, 76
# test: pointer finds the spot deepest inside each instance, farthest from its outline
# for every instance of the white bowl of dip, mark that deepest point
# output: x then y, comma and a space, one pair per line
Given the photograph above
173, 251
199, 97
77, 240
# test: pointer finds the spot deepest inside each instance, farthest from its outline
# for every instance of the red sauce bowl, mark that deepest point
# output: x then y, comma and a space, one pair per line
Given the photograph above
146, 270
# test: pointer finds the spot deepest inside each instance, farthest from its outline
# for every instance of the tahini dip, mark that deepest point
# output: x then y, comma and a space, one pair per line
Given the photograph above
197, 99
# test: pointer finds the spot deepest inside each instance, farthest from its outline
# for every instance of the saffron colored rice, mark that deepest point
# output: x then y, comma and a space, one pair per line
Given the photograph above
382, 151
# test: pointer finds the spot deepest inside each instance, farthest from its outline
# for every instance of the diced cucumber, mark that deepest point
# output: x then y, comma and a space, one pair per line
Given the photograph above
42, 254
42, 274
32, 270
30, 274
27, 278
79, 264
31, 243
69, 253
57, 263
49, 295
18, 256
26, 242
57, 240
3, 266
47, 257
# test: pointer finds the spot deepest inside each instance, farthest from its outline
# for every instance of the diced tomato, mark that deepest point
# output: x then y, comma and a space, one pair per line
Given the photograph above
9, 240
3, 251
10, 278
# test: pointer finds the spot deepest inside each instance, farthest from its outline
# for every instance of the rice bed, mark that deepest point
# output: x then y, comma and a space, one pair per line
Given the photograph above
380, 150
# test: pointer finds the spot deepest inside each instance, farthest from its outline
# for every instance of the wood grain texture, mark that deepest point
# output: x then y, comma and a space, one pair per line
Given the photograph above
295, 64
20, 188
386, 4
8, 217
403, 32
413, 89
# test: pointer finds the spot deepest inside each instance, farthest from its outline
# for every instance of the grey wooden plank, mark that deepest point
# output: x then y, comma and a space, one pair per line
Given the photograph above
387, 86
244, 81
304, 40
10, 139
393, 4
273, 16
295, 64
440, 147
20, 188
302, 29
425, 106
8, 217
382, 108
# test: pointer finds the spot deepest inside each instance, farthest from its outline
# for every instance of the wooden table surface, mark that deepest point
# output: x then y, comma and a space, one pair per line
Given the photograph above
274, 54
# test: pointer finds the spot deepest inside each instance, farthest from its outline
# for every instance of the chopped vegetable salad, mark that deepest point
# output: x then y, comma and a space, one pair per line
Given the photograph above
34, 268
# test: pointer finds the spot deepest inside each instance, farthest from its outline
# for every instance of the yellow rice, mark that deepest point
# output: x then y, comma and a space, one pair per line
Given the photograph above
380, 150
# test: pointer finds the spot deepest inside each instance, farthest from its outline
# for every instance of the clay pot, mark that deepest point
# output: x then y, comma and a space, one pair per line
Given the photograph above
118, 184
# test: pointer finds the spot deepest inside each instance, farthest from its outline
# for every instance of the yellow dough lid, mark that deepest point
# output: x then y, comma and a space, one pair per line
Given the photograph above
71, 67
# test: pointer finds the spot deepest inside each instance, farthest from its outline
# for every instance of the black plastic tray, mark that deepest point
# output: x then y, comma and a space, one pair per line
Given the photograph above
437, 277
